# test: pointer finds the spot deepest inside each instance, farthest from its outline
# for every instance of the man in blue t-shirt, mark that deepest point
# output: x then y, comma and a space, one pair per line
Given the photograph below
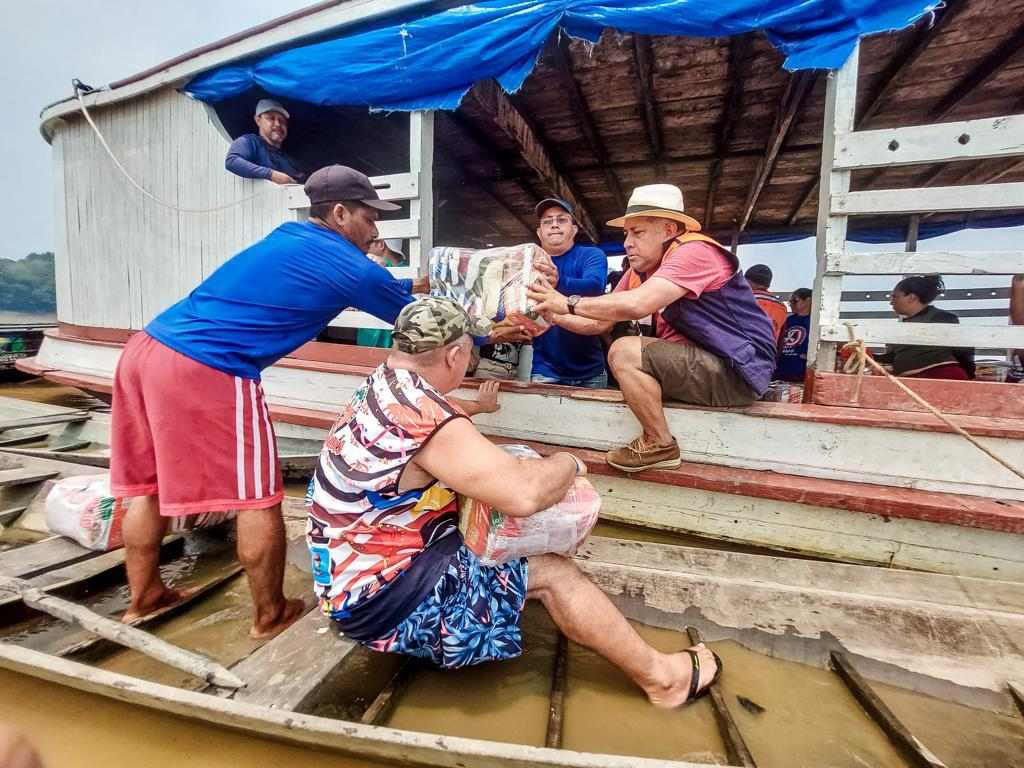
259, 155
191, 431
793, 340
560, 356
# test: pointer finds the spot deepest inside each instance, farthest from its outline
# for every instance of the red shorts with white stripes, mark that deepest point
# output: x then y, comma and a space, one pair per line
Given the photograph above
199, 438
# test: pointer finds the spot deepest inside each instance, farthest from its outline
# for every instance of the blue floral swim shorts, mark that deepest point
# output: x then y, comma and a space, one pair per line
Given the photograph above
472, 616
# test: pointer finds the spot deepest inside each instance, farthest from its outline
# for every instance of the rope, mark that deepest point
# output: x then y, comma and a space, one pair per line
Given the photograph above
77, 85
857, 363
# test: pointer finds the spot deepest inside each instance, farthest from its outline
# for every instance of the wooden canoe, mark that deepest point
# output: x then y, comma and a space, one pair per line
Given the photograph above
956, 638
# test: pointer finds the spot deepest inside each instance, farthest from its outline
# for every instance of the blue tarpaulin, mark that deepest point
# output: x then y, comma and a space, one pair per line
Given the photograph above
425, 60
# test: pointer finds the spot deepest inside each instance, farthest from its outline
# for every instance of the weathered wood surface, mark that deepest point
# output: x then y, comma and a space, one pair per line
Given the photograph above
122, 634
322, 734
933, 335
90, 643
735, 747
1017, 694
901, 737
900, 629
67, 454
383, 705
943, 142
84, 570
23, 476
967, 398
47, 555
9, 515
23, 439
942, 262
991, 197
556, 697
858, 445
43, 420
292, 667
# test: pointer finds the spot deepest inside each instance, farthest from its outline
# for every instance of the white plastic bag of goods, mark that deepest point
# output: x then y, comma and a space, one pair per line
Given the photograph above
490, 284
496, 538
82, 508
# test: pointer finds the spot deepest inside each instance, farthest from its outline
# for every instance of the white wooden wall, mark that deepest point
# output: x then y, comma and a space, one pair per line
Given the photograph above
845, 150
122, 258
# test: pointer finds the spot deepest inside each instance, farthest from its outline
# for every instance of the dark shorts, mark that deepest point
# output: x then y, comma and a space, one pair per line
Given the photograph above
691, 374
472, 616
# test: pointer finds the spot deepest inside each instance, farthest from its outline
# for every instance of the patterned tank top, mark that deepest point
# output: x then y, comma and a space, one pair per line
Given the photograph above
361, 532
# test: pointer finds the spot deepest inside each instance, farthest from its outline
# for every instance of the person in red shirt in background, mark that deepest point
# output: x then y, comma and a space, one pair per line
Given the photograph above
760, 278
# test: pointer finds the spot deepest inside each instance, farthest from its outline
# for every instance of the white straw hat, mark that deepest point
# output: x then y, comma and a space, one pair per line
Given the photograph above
662, 201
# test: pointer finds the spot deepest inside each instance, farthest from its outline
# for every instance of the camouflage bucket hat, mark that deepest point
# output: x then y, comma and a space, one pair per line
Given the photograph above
433, 322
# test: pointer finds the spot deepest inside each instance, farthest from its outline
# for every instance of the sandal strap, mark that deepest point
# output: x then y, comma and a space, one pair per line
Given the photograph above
694, 674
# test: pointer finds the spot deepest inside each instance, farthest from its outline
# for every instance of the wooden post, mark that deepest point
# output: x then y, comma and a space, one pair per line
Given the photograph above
122, 634
556, 699
902, 739
840, 106
735, 747
912, 228
421, 209
381, 707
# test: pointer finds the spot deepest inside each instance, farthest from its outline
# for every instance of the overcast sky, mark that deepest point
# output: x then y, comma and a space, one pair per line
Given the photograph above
49, 42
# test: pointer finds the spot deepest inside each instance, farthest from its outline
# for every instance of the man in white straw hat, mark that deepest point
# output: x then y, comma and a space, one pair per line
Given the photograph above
712, 345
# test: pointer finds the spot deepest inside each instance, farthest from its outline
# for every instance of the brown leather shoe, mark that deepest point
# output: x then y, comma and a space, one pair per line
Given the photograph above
640, 455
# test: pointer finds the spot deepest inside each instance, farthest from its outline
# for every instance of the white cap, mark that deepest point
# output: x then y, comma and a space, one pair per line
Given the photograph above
269, 105
395, 246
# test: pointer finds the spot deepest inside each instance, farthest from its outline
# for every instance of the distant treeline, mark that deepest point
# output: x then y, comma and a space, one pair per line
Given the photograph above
28, 285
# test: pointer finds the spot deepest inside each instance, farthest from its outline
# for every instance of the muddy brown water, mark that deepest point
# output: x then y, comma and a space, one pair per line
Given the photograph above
804, 716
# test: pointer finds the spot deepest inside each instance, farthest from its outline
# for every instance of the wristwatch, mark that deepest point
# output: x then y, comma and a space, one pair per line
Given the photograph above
571, 303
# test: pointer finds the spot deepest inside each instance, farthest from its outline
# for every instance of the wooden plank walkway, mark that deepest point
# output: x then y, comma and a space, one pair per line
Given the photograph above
292, 667
49, 554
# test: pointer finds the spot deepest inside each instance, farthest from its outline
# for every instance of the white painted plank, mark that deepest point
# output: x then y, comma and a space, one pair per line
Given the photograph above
421, 163
901, 458
943, 142
395, 186
929, 334
937, 262
980, 197
62, 266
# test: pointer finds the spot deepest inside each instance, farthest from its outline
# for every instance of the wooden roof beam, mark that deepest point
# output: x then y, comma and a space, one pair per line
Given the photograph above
739, 46
793, 97
905, 58
561, 57
643, 59
901, 63
978, 76
514, 124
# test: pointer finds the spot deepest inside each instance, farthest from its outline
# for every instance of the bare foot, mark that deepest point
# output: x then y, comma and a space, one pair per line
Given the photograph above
292, 610
148, 604
673, 688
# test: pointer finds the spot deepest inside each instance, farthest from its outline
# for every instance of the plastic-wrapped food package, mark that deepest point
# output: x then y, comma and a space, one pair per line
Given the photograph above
83, 509
490, 284
496, 538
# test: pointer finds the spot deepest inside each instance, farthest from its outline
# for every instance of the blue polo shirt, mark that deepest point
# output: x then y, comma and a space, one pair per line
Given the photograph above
582, 270
250, 157
275, 296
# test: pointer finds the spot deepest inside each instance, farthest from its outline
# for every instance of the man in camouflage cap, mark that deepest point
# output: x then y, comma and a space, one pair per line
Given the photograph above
384, 506
432, 323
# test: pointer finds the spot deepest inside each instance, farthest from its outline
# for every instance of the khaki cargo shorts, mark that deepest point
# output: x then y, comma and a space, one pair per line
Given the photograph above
691, 374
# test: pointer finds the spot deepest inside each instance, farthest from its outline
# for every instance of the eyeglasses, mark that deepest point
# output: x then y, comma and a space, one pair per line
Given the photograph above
561, 220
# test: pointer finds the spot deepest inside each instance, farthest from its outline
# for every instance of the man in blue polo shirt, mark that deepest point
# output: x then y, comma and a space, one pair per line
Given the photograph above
191, 431
560, 356
259, 155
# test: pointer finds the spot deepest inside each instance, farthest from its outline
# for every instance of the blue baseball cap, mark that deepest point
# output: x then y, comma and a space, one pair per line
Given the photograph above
547, 202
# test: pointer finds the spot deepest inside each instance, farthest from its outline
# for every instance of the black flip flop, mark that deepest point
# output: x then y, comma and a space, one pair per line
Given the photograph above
695, 690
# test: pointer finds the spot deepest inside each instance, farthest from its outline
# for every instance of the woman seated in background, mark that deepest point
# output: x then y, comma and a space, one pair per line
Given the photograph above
912, 299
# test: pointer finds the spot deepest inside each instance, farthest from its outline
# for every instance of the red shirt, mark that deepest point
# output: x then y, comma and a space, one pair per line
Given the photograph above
695, 266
